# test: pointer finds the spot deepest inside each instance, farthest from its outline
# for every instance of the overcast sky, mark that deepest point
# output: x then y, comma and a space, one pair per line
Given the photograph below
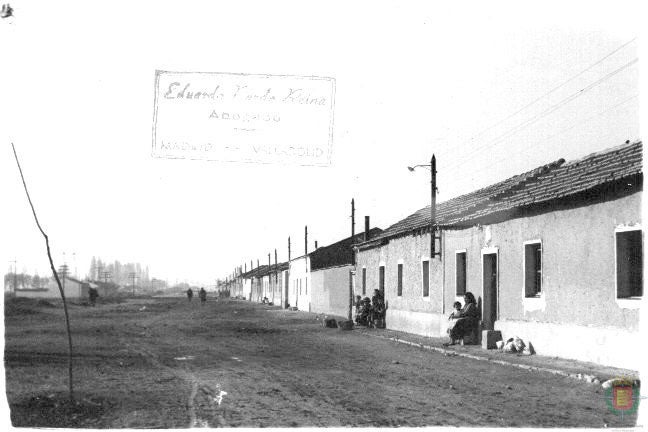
492, 89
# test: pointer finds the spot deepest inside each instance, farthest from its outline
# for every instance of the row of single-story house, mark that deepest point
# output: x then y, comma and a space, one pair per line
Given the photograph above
264, 281
318, 281
553, 255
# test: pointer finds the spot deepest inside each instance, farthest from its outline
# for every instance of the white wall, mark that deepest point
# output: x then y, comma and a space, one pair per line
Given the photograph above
300, 276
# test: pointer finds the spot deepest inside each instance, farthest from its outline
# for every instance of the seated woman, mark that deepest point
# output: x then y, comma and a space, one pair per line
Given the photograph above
362, 318
378, 309
466, 320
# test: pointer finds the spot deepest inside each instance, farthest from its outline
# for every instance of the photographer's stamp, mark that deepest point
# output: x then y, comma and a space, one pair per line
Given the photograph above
281, 119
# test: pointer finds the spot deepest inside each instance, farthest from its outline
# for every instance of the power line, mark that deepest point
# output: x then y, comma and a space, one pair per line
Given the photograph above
562, 131
542, 114
533, 102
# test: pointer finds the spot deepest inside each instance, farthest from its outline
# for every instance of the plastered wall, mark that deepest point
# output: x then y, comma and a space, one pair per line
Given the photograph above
578, 264
330, 293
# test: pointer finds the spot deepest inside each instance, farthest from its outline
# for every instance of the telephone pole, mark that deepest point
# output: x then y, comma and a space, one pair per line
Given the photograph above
132, 276
351, 272
106, 275
352, 217
63, 272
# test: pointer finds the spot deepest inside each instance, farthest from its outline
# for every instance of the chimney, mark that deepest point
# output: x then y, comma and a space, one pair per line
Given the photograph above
306, 240
366, 233
315, 244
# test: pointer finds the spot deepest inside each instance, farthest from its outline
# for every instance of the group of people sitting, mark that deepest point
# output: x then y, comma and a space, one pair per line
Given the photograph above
464, 320
370, 313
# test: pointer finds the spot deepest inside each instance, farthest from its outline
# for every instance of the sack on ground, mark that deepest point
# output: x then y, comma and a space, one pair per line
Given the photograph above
329, 322
509, 346
519, 344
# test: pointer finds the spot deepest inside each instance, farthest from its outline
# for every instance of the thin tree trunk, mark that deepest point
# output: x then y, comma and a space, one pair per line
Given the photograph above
58, 281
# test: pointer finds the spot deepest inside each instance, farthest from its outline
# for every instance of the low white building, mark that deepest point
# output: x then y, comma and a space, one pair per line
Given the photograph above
73, 289
299, 293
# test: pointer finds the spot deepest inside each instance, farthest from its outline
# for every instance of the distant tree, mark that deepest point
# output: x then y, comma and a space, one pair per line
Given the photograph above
117, 273
24, 280
93, 268
100, 267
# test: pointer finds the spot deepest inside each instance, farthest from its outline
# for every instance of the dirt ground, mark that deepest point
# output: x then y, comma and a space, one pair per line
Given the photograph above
168, 363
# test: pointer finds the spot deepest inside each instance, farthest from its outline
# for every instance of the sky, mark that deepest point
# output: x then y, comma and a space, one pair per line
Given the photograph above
492, 89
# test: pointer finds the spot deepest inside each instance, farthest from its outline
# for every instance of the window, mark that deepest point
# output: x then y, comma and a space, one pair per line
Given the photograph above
532, 269
426, 278
364, 280
306, 280
300, 286
381, 280
460, 267
400, 280
629, 264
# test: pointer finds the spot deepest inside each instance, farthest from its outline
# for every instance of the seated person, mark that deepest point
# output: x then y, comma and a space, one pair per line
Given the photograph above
456, 312
454, 315
357, 303
377, 312
466, 320
364, 313
377, 297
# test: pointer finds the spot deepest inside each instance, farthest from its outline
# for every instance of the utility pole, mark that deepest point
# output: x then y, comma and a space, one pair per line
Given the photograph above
433, 192
132, 276
106, 275
288, 248
306, 240
276, 268
433, 209
350, 311
63, 272
352, 218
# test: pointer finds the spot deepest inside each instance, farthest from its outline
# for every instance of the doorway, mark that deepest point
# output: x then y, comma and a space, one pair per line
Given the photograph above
489, 289
286, 289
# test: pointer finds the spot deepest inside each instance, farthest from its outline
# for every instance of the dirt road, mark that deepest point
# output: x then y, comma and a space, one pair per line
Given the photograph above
169, 363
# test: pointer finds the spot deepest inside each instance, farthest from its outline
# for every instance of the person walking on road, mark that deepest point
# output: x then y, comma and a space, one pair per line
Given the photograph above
93, 294
189, 294
203, 296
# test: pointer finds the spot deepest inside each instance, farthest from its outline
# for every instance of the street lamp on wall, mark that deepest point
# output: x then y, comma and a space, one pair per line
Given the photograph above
433, 190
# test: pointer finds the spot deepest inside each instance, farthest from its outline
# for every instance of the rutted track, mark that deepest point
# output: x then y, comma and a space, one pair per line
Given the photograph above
169, 363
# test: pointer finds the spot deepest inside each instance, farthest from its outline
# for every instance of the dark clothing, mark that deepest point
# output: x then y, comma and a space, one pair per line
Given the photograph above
189, 294
377, 299
377, 308
93, 294
203, 295
364, 314
467, 320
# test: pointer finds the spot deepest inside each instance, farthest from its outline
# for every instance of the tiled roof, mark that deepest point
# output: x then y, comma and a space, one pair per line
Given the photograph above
339, 253
75, 280
264, 270
543, 184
